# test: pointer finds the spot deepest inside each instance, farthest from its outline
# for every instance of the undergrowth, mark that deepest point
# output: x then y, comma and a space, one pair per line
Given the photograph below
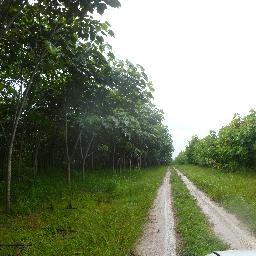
106, 218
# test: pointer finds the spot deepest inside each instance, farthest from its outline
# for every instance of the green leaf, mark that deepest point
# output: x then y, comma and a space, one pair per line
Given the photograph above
1, 86
101, 8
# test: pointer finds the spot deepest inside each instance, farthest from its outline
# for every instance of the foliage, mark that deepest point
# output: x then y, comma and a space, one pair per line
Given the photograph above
64, 97
233, 190
108, 213
181, 158
199, 238
233, 147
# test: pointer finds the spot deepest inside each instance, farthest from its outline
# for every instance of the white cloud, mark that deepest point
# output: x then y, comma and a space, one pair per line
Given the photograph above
201, 56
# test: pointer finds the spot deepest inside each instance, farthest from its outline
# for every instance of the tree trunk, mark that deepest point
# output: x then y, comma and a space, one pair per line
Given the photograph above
113, 159
36, 160
68, 178
20, 158
118, 165
67, 150
113, 163
11, 144
83, 169
9, 177
92, 161
14, 130
70, 157
84, 156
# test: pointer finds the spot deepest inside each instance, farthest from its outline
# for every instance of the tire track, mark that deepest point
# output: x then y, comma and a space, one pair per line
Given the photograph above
158, 238
225, 225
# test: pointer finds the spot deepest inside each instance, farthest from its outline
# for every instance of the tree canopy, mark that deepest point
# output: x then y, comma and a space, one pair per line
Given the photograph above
66, 101
233, 147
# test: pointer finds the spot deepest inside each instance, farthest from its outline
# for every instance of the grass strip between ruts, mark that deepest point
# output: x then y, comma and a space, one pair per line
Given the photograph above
235, 191
195, 236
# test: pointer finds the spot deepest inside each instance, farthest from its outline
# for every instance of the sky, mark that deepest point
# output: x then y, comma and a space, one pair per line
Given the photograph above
200, 56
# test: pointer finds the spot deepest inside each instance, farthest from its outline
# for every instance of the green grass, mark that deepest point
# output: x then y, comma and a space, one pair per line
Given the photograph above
236, 191
107, 219
196, 237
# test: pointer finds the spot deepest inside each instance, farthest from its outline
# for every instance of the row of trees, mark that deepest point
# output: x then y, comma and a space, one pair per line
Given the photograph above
65, 100
233, 147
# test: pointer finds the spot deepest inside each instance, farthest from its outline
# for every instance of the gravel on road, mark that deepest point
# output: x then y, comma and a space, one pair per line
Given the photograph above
225, 225
158, 238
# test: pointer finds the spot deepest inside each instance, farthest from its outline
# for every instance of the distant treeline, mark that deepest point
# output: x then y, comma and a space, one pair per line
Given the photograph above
65, 100
233, 147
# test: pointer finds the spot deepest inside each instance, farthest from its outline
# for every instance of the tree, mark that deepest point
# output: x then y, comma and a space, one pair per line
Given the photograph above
232, 148
36, 36
65, 98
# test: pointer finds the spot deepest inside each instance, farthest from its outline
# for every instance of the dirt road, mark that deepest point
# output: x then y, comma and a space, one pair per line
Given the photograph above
158, 238
225, 225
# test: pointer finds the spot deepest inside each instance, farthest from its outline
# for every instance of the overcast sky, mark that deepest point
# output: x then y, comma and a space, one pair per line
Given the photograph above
200, 55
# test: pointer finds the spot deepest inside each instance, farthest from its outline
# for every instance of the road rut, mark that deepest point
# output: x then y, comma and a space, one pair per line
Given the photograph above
158, 238
225, 225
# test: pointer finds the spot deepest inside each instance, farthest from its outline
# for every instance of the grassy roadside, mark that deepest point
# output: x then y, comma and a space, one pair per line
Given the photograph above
108, 215
236, 191
193, 229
